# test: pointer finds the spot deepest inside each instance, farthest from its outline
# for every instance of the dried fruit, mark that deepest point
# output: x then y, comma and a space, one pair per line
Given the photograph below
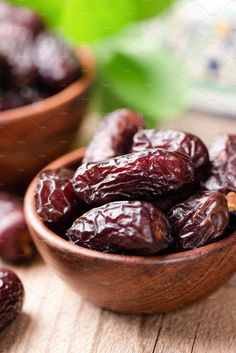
21, 16
11, 297
176, 141
16, 46
132, 227
223, 147
114, 136
222, 176
15, 241
10, 99
200, 219
31, 95
142, 175
174, 198
56, 63
55, 199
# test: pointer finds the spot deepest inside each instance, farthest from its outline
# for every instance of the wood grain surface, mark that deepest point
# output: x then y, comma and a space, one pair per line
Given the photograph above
55, 320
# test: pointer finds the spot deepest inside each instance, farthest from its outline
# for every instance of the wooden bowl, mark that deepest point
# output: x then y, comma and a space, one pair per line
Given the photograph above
131, 284
34, 135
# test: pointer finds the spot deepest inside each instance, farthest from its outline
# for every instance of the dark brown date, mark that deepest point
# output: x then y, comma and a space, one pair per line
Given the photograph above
199, 220
176, 141
16, 46
55, 199
11, 297
222, 176
15, 241
114, 136
173, 198
132, 227
223, 147
21, 16
10, 99
56, 63
143, 175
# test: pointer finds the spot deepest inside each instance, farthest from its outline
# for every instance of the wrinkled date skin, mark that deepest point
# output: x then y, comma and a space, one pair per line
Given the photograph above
131, 227
11, 297
56, 63
21, 16
15, 241
173, 198
222, 176
142, 175
114, 136
199, 220
172, 140
55, 199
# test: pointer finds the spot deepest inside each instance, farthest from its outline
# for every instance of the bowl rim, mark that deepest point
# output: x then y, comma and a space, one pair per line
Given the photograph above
77, 88
55, 241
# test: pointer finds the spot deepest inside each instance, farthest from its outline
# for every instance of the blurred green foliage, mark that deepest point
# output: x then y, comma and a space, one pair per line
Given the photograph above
141, 73
90, 20
133, 71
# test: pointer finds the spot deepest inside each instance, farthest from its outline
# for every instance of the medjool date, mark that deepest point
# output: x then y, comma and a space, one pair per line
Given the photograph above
142, 175
200, 219
55, 199
56, 63
16, 45
132, 227
15, 241
114, 136
11, 297
222, 175
21, 16
177, 141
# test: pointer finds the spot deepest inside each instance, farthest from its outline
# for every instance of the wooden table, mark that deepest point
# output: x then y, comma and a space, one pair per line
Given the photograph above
56, 320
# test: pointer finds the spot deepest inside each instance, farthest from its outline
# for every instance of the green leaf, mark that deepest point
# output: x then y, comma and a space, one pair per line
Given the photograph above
90, 20
142, 75
50, 10
150, 8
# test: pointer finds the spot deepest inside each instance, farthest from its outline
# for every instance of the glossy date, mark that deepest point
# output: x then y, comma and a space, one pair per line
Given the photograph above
131, 227
15, 241
11, 297
114, 136
222, 175
55, 200
172, 140
137, 176
56, 63
199, 220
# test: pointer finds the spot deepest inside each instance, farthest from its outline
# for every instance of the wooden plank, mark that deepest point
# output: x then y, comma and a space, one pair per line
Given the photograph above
126, 333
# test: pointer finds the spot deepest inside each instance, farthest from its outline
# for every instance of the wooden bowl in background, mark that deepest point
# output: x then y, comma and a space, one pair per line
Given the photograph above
34, 135
131, 284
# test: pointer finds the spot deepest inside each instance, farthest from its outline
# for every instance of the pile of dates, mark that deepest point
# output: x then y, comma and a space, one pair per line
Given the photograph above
142, 192
34, 63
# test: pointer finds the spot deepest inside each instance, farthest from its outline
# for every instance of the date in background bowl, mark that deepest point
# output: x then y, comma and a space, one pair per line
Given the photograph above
35, 134
131, 284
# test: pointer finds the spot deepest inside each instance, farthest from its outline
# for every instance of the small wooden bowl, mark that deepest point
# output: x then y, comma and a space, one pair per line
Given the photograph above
34, 135
131, 284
